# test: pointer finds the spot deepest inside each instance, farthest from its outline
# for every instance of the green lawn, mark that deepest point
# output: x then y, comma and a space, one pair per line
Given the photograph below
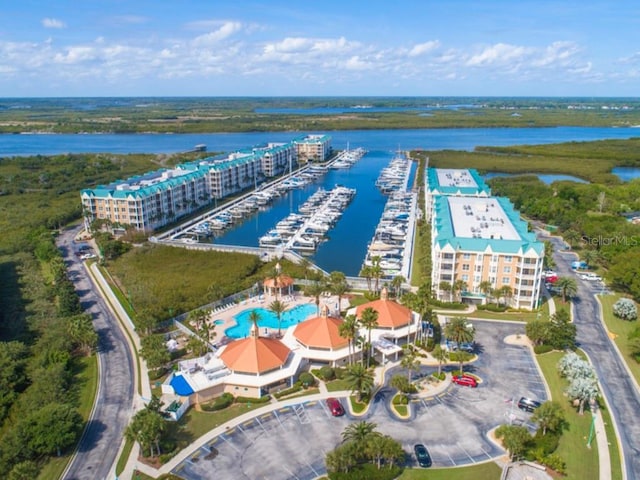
124, 456
614, 449
619, 330
582, 462
483, 471
337, 386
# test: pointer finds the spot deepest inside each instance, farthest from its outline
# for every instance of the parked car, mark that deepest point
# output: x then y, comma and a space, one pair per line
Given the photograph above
465, 380
422, 455
528, 404
335, 407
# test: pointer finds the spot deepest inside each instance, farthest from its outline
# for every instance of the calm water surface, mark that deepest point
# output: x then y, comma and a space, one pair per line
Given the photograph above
547, 178
432, 139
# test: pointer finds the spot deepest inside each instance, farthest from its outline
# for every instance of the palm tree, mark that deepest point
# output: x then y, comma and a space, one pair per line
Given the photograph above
410, 360
359, 432
349, 330
278, 307
376, 271
359, 380
254, 317
446, 287
315, 290
305, 263
568, 287
369, 320
396, 284
505, 292
571, 237
590, 257
459, 331
441, 355
338, 285
486, 287
458, 287
367, 273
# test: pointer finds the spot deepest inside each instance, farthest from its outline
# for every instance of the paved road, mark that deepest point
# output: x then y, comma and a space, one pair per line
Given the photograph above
99, 446
618, 387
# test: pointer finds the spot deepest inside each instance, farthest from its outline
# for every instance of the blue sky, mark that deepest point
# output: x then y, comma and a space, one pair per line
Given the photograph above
347, 47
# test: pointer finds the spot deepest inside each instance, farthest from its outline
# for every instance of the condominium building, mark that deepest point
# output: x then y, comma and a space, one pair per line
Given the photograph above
481, 241
148, 201
453, 181
160, 197
313, 148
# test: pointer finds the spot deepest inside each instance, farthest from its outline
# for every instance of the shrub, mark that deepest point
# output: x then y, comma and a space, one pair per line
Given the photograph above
400, 399
367, 471
625, 309
306, 379
492, 307
157, 373
540, 349
442, 375
339, 372
448, 305
548, 443
264, 399
555, 462
223, 401
327, 373
283, 393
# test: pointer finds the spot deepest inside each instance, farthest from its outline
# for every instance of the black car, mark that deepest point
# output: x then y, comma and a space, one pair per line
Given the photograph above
528, 404
422, 455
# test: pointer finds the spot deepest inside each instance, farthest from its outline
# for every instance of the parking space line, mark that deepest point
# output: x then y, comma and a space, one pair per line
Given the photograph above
292, 475
450, 459
260, 423
278, 418
467, 453
230, 444
485, 452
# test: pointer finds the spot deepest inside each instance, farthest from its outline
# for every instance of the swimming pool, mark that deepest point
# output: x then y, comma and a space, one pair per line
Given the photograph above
269, 319
218, 322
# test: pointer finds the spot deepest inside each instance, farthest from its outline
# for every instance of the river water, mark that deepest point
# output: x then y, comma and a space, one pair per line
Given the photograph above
387, 140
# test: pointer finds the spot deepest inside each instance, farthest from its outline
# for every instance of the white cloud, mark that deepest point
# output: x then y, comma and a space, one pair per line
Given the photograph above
53, 23
423, 48
223, 32
499, 53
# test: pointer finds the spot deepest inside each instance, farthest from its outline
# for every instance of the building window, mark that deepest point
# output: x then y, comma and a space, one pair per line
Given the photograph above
508, 258
465, 278
506, 269
494, 258
447, 256
466, 256
478, 268
479, 257
506, 280
465, 267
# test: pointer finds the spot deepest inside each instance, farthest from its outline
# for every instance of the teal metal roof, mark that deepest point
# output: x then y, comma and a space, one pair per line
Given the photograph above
312, 139
111, 190
433, 183
445, 235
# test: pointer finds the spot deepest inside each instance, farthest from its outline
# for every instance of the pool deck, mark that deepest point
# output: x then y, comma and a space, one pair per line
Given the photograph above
263, 301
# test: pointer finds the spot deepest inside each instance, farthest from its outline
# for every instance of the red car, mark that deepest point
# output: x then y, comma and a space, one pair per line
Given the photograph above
465, 380
335, 407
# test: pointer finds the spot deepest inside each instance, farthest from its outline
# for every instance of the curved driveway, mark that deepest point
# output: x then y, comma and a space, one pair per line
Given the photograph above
291, 442
102, 437
619, 388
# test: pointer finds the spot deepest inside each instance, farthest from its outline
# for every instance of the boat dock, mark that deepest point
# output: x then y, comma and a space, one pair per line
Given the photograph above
395, 176
305, 230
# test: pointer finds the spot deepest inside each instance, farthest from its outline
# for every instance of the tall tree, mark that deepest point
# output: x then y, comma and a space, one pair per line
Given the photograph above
80, 328
396, 283
147, 428
486, 287
278, 307
447, 288
338, 286
315, 290
441, 355
359, 380
459, 331
369, 320
349, 330
410, 360
376, 271
458, 287
549, 416
568, 287
359, 432
367, 273
515, 439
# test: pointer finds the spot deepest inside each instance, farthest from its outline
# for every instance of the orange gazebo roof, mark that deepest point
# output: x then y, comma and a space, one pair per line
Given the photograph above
321, 332
255, 355
282, 281
390, 313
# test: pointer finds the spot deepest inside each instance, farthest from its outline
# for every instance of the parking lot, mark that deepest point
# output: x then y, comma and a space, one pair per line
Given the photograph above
291, 443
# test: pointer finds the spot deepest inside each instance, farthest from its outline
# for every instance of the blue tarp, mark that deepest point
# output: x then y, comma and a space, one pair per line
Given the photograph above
181, 386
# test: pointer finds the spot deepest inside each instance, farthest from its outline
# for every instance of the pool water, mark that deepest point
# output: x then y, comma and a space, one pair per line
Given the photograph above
218, 322
269, 319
